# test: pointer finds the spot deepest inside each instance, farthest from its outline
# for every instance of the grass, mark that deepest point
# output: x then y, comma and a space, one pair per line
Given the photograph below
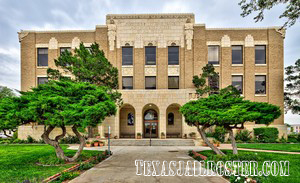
18, 162
276, 147
294, 168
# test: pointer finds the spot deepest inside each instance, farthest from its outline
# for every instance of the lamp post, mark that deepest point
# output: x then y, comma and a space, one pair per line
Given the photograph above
108, 144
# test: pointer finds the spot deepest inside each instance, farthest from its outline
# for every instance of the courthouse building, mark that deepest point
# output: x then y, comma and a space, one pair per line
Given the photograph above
157, 56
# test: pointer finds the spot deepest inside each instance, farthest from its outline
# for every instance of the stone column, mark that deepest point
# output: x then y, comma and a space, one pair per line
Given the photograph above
138, 121
162, 121
116, 130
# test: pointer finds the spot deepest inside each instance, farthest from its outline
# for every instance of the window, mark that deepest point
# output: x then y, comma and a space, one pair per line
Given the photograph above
127, 82
130, 119
237, 54
170, 118
260, 54
173, 82
63, 49
127, 56
42, 56
42, 80
237, 82
173, 55
213, 83
150, 82
213, 54
260, 84
150, 55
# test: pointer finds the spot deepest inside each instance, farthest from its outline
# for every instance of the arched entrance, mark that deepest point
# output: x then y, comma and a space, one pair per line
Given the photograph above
127, 121
150, 123
174, 121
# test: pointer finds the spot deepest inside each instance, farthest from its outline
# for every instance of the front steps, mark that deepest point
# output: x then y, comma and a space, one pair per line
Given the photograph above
154, 142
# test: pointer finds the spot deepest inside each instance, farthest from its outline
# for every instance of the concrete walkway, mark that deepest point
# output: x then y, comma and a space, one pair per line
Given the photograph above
120, 168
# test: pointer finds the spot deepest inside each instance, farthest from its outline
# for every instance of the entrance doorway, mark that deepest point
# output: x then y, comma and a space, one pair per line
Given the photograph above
150, 124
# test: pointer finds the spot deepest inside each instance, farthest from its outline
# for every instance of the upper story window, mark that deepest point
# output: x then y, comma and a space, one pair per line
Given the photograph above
237, 82
213, 55
214, 85
171, 118
260, 84
127, 82
63, 49
237, 54
150, 82
150, 55
173, 55
42, 80
130, 119
260, 54
173, 82
42, 56
127, 55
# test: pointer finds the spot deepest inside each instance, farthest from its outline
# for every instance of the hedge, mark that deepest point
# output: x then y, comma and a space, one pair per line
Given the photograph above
266, 134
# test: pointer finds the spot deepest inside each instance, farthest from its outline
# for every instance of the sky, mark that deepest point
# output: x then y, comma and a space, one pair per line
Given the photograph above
75, 14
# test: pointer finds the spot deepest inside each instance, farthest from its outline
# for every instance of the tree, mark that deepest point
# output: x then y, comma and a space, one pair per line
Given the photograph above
292, 92
59, 104
88, 65
6, 92
229, 110
208, 82
291, 12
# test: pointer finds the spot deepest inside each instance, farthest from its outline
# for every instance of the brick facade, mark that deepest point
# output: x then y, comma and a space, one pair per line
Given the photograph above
163, 30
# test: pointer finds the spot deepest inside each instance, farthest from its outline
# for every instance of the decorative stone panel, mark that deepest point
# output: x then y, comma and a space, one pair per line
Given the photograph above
75, 42
127, 70
150, 70
141, 29
173, 70
53, 43
249, 41
225, 41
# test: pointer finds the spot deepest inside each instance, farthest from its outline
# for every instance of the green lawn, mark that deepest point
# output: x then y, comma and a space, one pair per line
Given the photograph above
276, 147
18, 162
294, 168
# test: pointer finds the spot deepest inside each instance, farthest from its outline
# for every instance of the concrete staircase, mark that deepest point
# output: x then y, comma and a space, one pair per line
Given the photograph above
154, 142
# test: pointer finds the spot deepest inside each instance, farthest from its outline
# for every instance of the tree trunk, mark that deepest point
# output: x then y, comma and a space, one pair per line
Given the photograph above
203, 136
55, 143
4, 132
233, 142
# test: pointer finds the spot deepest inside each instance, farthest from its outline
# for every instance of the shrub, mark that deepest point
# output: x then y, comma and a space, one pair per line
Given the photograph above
70, 140
243, 135
293, 138
17, 141
266, 134
15, 135
85, 166
68, 175
192, 134
219, 134
30, 139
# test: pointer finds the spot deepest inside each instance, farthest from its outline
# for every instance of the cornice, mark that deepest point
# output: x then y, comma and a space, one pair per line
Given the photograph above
151, 16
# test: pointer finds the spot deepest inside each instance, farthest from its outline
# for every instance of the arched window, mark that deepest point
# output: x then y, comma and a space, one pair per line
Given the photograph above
150, 115
170, 118
130, 119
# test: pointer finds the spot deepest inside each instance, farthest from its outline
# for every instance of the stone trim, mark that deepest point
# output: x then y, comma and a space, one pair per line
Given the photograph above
237, 74
53, 43
22, 34
213, 43
237, 43
127, 70
225, 41
249, 41
150, 70
173, 70
260, 42
75, 43
151, 16
46, 45
243, 28
62, 45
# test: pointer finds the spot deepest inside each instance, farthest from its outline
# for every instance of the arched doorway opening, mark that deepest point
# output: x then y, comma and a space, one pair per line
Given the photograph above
127, 121
150, 119
174, 121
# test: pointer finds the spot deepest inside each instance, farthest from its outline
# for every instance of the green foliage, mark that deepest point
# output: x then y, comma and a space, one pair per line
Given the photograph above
30, 139
291, 95
220, 133
69, 139
85, 166
67, 176
291, 12
52, 160
294, 138
59, 103
88, 65
208, 74
266, 134
243, 135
